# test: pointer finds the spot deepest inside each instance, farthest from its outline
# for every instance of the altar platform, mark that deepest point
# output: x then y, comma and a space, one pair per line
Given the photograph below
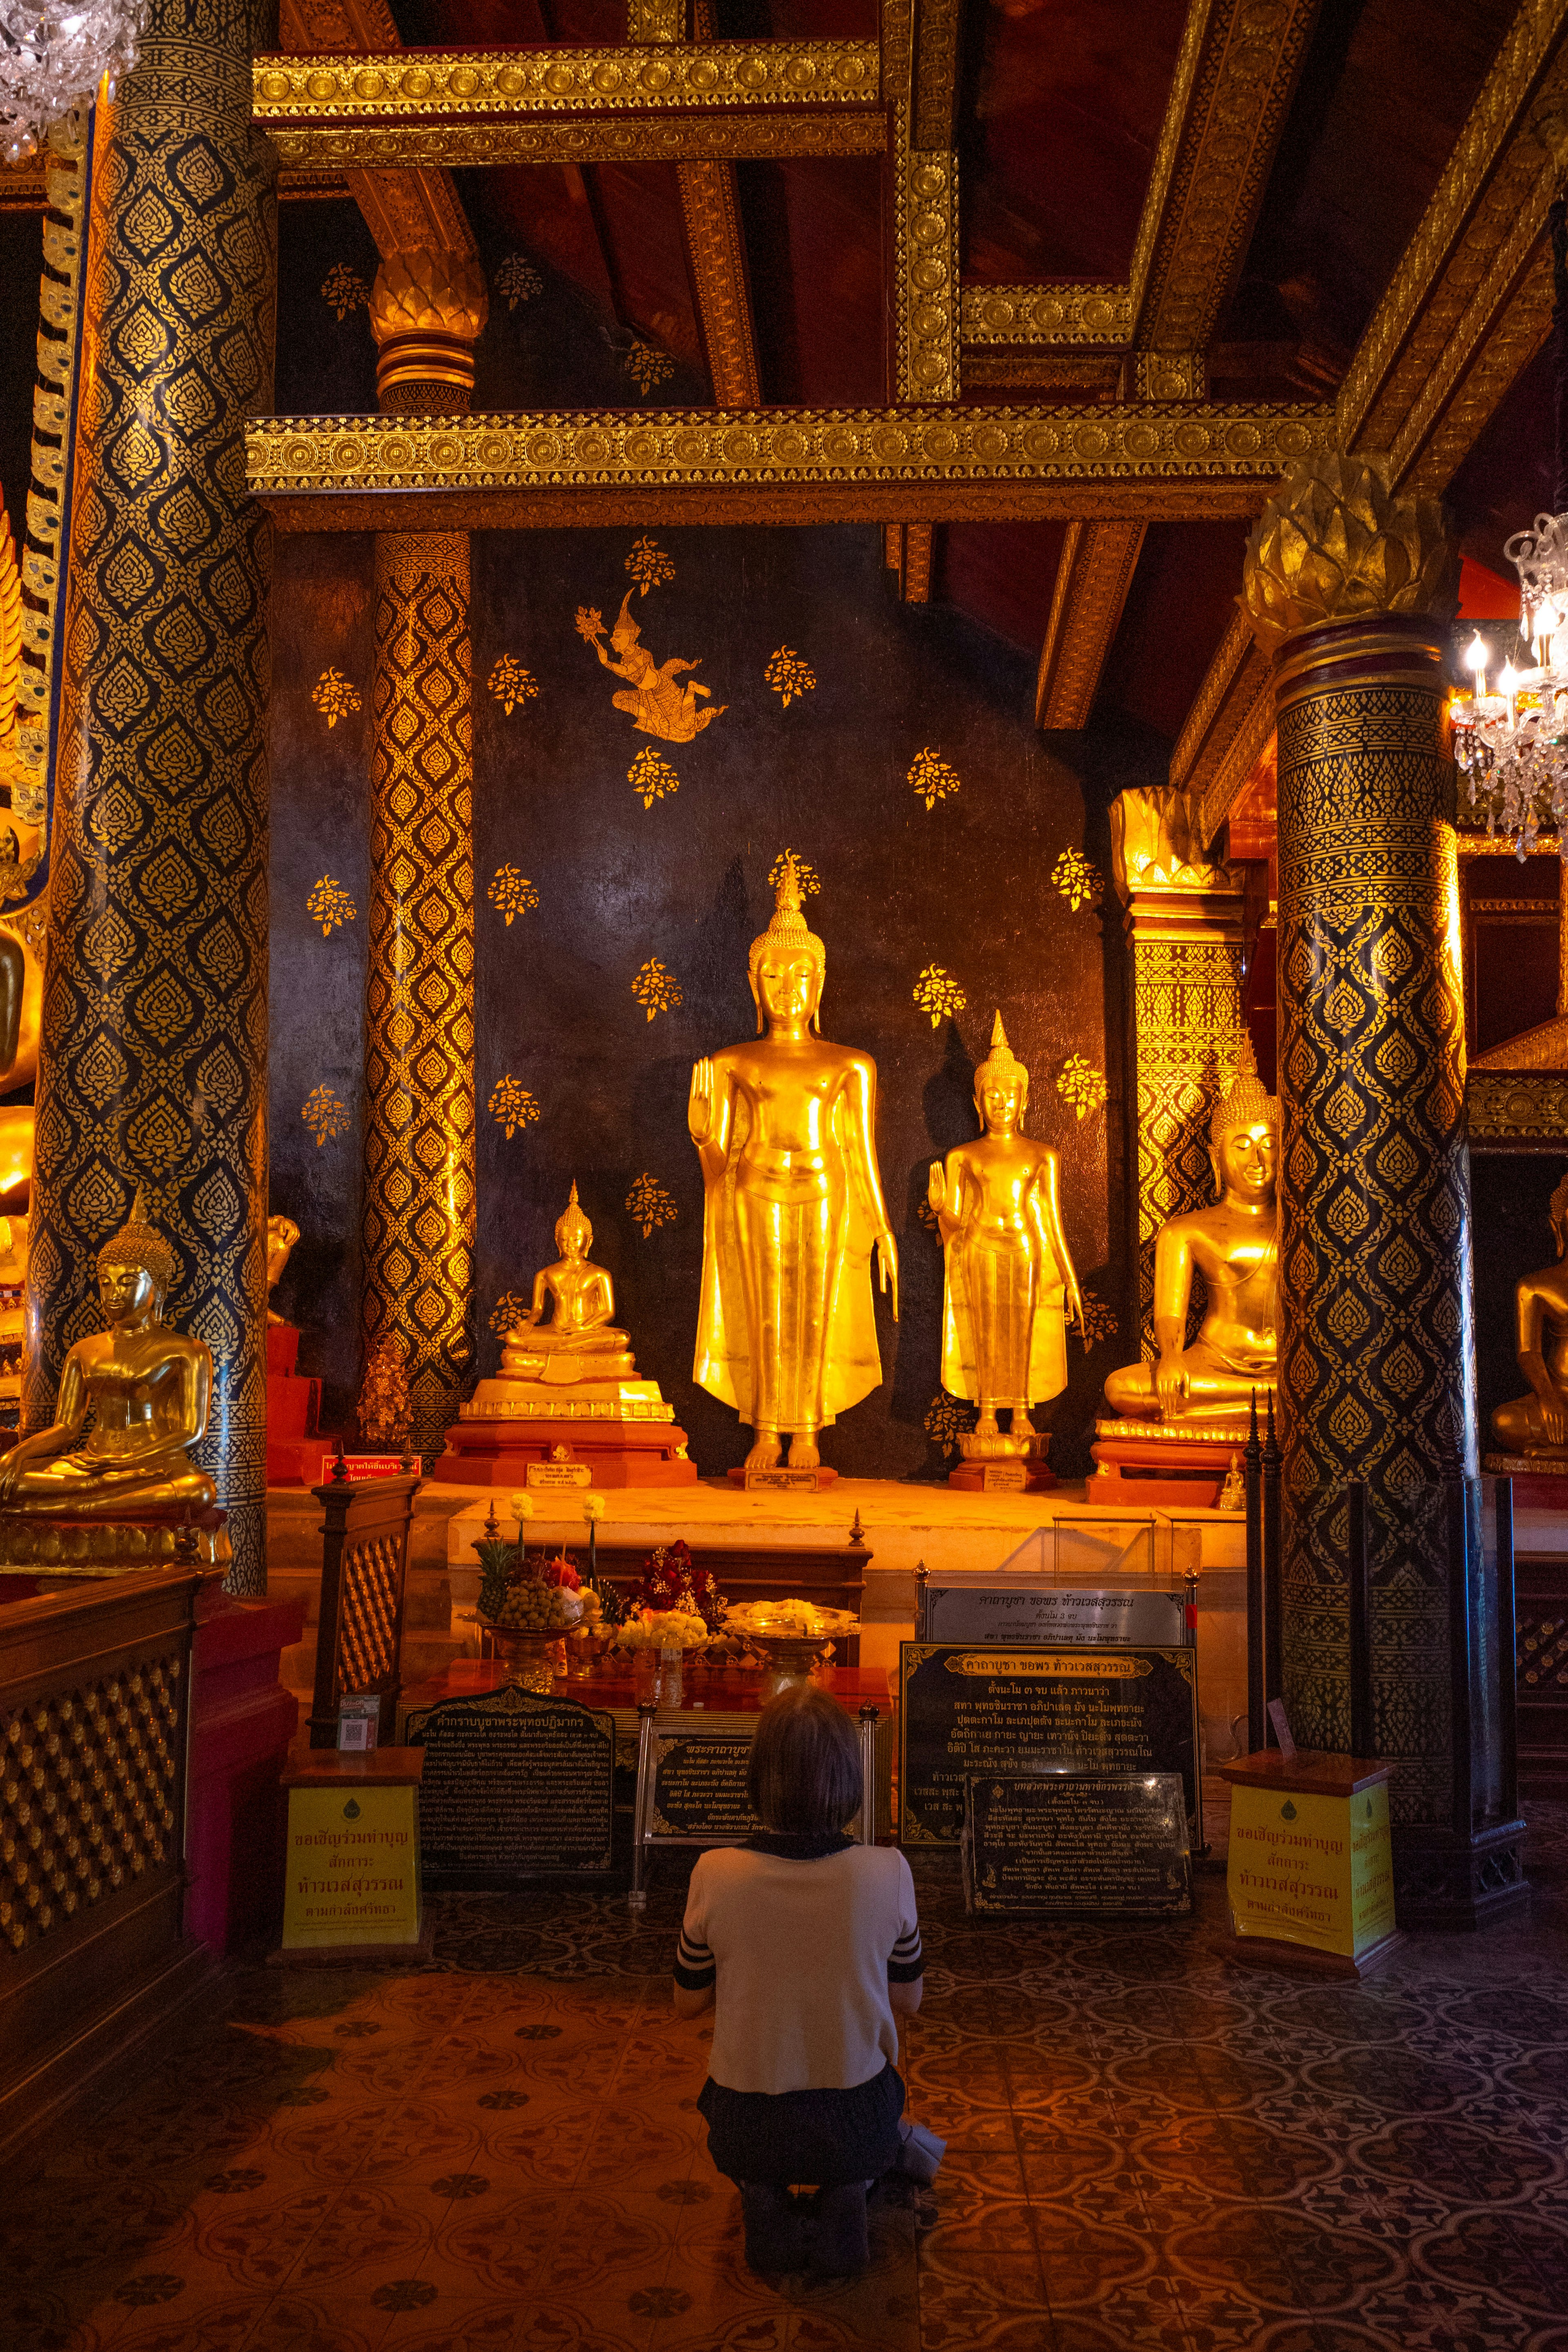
719, 1690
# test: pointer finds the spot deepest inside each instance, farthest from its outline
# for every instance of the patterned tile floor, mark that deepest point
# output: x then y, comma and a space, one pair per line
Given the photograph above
1148, 2147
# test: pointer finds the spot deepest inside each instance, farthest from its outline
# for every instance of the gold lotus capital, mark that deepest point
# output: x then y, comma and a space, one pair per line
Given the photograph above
1337, 542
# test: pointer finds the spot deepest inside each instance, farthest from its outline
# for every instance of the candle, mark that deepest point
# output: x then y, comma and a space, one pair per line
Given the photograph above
1477, 656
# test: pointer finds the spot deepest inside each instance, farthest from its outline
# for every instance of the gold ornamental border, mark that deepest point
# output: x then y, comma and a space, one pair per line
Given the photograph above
402, 143
429, 84
940, 456
1516, 1110
1100, 317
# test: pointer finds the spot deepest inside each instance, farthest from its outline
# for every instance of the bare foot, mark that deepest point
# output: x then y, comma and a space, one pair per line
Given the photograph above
1022, 1425
803, 1453
986, 1425
764, 1454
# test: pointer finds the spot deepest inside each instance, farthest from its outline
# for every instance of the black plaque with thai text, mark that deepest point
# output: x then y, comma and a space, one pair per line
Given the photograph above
516, 1786
1000, 1709
1077, 1844
699, 1786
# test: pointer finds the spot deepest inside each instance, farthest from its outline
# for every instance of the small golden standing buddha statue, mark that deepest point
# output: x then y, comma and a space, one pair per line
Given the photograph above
1010, 1288
785, 1129
1537, 1424
146, 1390
585, 1299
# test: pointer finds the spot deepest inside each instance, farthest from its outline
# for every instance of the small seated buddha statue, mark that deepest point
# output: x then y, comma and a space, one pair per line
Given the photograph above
1234, 1245
585, 1299
146, 1391
1537, 1424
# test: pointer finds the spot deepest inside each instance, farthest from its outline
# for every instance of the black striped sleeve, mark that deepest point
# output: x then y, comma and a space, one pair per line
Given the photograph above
694, 1966
907, 1963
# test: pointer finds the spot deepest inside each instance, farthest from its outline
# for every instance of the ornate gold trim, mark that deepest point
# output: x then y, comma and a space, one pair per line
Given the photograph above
1513, 1110
925, 233
934, 74
1093, 577
435, 85
1099, 318
1234, 647
420, 142
655, 20
716, 246
914, 569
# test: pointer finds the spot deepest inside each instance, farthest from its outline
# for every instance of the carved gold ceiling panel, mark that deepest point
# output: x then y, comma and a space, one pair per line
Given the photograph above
418, 145
432, 84
1097, 315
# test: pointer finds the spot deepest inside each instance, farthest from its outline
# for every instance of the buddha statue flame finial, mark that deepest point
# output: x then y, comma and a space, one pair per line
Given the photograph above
1248, 1100
1001, 1062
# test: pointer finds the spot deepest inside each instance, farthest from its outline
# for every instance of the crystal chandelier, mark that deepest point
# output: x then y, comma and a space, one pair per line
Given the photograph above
1511, 745
52, 59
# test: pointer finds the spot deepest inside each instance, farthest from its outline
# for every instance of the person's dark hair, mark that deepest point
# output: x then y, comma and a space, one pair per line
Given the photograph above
805, 1773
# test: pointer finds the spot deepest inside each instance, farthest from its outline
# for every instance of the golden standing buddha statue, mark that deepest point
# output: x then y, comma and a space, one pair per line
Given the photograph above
1234, 1245
1536, 1424
146, 1391
786, 1129
1010, 1286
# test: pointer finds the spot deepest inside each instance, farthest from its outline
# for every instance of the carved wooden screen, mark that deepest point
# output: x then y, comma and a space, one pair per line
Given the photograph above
365, 1566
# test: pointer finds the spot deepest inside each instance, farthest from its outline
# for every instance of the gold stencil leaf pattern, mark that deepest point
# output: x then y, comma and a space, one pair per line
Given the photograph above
656, 987
937, 993
653, 777
650, 566
509, 1311
589, 623
518, 279
344, 289
512, 1106
511, 892
511, 684
333, 697
1099, 1321
647, 365
325, 1114
931, 778
648, 1204
1081, 1084
790, 675
1077, 879
806, 874
947, 1420
330, 904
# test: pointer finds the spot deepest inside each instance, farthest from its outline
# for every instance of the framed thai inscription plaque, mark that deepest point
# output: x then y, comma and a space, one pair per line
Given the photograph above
515, 1787
1001, 1709
700, 1787
1077, 1844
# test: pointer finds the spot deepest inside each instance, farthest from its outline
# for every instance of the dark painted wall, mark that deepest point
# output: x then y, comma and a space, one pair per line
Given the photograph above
966, 884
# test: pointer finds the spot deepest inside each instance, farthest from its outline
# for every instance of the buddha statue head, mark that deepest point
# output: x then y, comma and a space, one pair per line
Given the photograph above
788, 963
136, 1268
1001, 1084
573, 1234
1244, 1134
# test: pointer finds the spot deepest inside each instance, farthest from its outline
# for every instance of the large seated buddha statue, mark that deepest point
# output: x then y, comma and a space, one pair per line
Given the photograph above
1197, 1395
567, 1393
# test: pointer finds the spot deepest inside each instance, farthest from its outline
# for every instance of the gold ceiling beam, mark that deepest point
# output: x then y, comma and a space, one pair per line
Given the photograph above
1467, 306
1098, 561
1094, 317
925, 307
483, 145
715, 240
924, 465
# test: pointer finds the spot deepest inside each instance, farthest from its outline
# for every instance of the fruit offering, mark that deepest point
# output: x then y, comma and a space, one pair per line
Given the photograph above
662, 1629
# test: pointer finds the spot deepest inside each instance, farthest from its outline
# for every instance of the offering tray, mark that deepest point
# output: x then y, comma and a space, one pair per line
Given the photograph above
532, 1654
794, 1636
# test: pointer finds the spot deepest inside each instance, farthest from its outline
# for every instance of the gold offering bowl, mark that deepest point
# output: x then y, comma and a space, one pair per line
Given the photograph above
791, 1652
537, 1658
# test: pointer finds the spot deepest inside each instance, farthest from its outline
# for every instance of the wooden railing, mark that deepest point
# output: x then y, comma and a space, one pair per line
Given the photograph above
364, 1570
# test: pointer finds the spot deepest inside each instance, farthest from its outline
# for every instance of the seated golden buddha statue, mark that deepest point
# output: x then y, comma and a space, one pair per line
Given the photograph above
585, 1300
146, 1391
1234, 1245
1538, 1423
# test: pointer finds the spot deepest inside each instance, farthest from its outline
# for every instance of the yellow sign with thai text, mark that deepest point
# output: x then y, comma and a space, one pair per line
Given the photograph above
352, 1874
1112, 1666
1311, 1870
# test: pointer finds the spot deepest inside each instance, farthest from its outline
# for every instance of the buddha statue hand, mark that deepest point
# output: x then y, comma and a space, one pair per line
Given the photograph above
700, 1102
1073, 1313
1172, 1386
888, 1265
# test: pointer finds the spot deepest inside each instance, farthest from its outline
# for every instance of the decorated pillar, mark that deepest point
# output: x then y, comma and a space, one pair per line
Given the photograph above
417, 1222
1184, 922
1376, 1356
153, 1068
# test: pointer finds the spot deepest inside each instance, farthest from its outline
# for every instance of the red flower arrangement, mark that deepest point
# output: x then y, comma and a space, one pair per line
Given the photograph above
670, 1581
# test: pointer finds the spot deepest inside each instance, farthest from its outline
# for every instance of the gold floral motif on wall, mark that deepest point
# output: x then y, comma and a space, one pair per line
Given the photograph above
517, 280
1099, 1321
344, 289
937, 993
806, 876
931, 778
325, 1114
651, 778
648, 1204
511, 684
790, 675
657, 988
1077, 879
1081, 1084
333, 697
511, 892
648, 564
651, 698
947, 1420
508, 1311
512, 1106
330, 904
926, 1215
647, 365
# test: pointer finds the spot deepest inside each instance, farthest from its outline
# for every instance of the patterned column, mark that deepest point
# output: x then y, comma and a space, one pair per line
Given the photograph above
153, 1062
1377, 1360
1182, 918
418, 1223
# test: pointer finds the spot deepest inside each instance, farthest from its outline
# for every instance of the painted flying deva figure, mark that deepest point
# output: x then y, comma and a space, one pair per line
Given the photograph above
656, 704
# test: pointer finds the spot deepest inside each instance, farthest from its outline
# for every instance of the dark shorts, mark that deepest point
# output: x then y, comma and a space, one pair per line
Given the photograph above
821, 2138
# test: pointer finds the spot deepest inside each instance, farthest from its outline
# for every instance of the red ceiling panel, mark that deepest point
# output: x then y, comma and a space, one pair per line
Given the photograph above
1180, 604
813, 244
1001, 574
